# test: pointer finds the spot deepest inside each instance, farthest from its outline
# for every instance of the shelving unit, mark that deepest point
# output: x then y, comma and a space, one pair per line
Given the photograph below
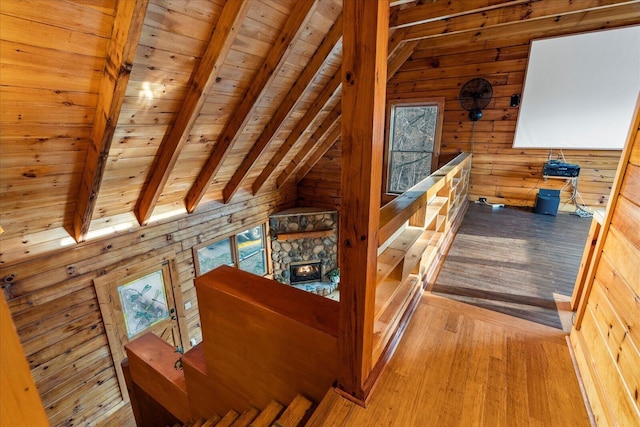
413, 227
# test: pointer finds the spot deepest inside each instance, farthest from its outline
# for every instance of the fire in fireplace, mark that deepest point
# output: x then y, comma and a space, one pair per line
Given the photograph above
305, 271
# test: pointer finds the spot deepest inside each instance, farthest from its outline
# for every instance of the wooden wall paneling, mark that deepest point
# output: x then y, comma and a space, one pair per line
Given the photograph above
603, 338
272, 65
620, 179
494, 159
21, 404
204, 77
330, 121
321, 186
126, 32
364, 58
621, 349
55, 306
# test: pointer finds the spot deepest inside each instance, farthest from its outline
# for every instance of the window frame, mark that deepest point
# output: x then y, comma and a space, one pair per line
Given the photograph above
233, 246
416, 102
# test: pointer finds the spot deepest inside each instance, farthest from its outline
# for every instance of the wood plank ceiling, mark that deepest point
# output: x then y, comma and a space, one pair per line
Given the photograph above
115, 111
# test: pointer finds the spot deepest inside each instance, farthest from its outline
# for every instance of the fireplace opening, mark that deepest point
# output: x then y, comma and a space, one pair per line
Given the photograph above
305, 272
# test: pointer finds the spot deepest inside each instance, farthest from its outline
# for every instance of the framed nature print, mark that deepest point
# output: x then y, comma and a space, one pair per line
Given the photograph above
144, 302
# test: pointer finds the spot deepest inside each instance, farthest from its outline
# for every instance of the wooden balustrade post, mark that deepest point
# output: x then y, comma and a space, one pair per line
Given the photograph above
364, 71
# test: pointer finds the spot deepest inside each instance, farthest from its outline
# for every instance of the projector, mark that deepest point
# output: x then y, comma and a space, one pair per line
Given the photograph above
558, 168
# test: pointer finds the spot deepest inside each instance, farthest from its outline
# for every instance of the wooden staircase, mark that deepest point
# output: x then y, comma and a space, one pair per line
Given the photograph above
274, 415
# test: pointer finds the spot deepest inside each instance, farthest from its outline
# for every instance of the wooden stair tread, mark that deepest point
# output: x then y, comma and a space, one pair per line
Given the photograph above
246, 417
228, 419
268, 415
295, 412
212, 421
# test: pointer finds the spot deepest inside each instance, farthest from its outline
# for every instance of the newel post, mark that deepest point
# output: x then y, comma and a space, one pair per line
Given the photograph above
364, 76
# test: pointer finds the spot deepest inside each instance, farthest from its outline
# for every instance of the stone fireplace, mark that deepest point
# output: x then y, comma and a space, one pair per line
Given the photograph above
304, 244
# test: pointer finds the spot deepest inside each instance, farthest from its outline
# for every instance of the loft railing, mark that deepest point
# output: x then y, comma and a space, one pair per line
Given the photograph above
414, 231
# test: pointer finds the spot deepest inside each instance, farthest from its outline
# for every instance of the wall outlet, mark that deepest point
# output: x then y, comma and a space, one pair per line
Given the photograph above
482, 200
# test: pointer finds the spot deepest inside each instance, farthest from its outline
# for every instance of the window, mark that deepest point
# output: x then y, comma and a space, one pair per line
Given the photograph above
414, 143
246, 251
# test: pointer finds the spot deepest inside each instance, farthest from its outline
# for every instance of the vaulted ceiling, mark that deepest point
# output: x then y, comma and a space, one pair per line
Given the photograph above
115, 109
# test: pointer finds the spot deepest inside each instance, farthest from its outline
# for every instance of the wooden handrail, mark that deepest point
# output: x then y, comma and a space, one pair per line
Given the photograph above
395, 213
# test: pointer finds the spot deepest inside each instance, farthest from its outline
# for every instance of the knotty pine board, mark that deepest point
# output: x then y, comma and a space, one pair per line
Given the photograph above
55, 307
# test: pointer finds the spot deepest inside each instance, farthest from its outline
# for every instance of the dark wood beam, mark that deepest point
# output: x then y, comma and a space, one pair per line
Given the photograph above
517, 19
204, 78
328, 92
295, 93
303, 9
127, 27
329, 122
364, 70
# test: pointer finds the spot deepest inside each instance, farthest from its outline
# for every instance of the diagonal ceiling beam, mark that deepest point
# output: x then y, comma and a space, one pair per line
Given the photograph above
127, 27
510, 20
399, 56
439, 10
329, 122
330, 89
399, 52
204, 78
319, 150
269, 69
313, 66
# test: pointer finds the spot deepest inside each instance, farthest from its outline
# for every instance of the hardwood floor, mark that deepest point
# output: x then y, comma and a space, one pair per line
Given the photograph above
515, 262
459, 365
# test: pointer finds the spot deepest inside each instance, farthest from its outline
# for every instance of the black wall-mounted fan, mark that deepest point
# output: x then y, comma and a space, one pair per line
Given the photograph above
474, 96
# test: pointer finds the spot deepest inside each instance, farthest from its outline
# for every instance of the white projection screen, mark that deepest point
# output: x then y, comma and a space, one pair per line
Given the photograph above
580, 91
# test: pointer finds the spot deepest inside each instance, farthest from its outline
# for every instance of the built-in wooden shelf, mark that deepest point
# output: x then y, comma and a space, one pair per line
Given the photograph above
304, 234
413, 227
389, 317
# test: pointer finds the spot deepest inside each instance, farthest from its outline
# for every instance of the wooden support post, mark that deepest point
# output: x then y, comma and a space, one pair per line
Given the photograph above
364, 72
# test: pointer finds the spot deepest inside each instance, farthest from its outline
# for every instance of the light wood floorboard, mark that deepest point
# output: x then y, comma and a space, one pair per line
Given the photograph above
460, 365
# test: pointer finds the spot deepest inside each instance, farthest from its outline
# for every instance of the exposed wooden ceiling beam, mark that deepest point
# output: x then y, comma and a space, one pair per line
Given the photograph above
302, 11
329, 122
319, 150
330, 89
127, 27
400, 56
507, 15
295, 93
439, 10
399, 51
204, 78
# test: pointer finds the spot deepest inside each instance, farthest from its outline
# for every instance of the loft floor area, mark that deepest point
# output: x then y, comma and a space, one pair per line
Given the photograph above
458, 365
515, 262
